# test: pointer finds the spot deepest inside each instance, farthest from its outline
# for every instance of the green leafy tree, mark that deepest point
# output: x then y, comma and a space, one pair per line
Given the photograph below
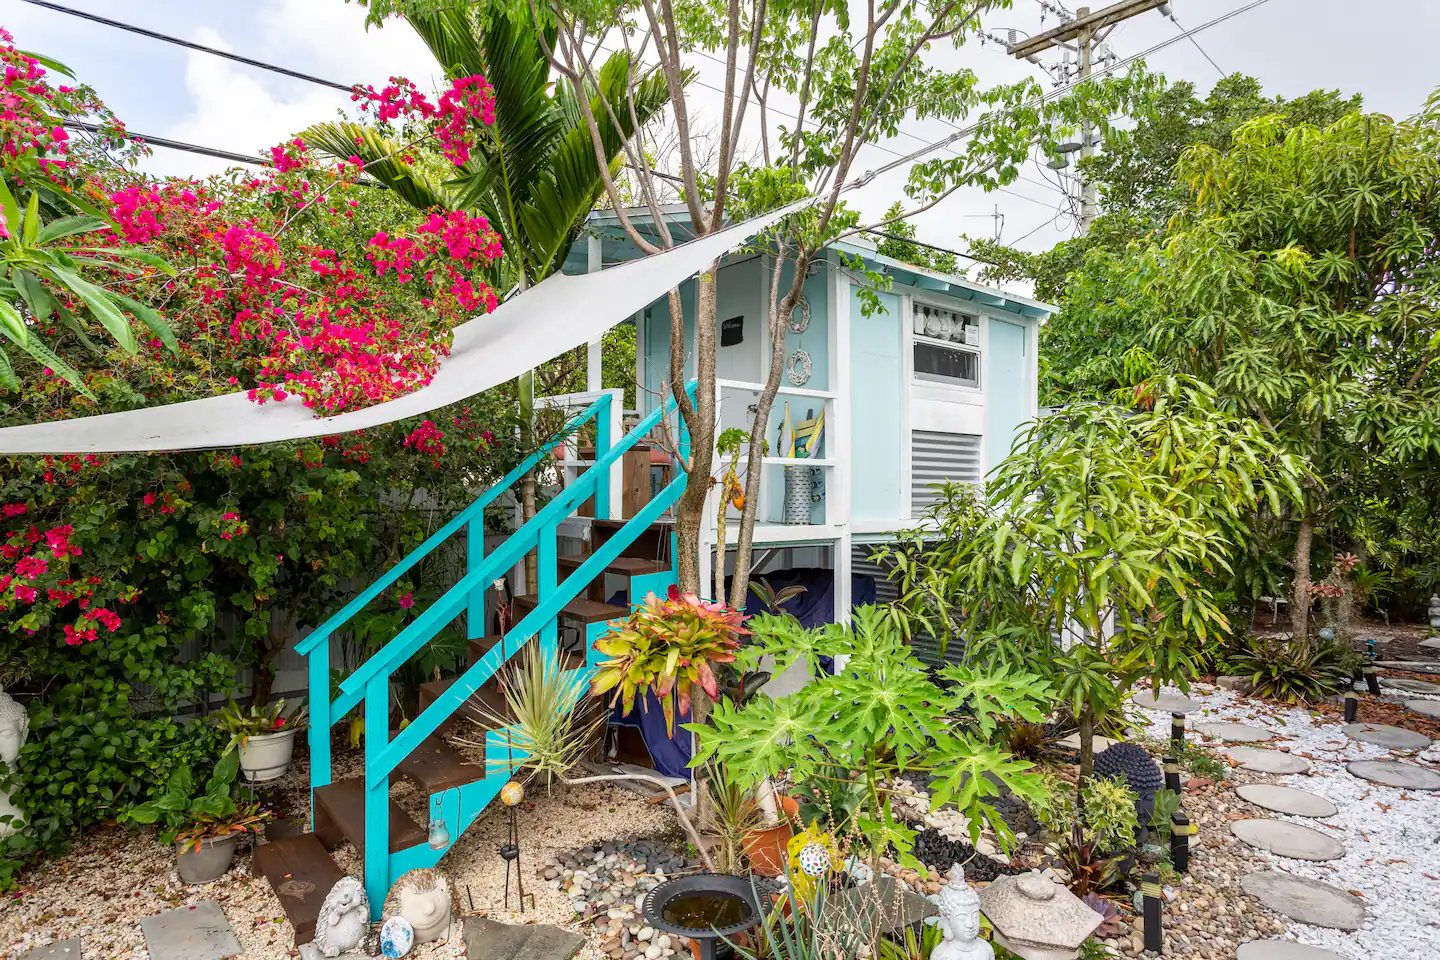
1136, 175
1299, 280
1099, 531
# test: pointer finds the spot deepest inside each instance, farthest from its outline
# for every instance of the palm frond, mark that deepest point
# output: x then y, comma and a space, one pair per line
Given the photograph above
344, 139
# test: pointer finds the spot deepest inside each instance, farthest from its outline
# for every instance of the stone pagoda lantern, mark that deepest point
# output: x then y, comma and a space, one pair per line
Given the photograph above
1036, 918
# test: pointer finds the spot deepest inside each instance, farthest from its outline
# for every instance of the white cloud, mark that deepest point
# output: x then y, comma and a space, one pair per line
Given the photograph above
245, 110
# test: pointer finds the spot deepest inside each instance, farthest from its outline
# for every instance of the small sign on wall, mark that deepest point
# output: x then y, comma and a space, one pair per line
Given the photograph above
972, 335
732, 332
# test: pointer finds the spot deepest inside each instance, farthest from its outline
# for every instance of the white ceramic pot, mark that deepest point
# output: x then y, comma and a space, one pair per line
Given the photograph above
266, 757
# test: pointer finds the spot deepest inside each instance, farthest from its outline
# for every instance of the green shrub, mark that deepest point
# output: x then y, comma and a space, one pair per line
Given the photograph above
1297, 671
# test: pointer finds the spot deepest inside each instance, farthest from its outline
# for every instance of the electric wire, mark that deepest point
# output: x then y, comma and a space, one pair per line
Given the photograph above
166, 38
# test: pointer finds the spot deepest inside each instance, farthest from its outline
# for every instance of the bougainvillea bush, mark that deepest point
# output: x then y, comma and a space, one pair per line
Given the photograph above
134, 586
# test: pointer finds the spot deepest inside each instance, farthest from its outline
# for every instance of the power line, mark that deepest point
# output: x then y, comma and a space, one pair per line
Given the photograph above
166, 38
171, 144
1198, 47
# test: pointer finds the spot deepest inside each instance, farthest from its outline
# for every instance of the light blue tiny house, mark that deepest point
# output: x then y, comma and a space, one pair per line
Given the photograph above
933, 386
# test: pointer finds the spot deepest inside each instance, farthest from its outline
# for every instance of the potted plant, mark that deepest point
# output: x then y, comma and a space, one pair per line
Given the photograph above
203, 827
264, 736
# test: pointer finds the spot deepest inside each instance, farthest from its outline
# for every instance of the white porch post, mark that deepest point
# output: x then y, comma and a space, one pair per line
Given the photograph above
840, 440
593, 364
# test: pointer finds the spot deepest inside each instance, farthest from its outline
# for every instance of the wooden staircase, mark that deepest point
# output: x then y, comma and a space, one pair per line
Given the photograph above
564, 617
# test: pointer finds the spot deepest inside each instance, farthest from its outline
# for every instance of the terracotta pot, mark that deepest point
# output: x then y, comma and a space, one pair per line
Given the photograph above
765, 849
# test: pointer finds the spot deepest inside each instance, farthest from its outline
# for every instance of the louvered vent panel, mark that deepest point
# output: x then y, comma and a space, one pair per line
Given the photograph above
936, 457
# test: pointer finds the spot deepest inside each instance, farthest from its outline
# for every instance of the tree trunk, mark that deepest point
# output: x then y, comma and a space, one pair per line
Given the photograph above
700, 422
740, 584
1300, 599
1087, 744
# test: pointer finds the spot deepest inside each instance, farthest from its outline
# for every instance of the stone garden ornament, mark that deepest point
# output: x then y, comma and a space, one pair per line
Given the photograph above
1037, 919
423, 898
344, 918
14, 728
960, 922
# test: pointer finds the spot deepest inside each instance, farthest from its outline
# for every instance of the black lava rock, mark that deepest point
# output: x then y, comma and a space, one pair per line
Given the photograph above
934, 849
1134, 764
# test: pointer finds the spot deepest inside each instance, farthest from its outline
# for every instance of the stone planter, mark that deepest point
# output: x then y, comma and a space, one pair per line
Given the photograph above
208, 863
266, 757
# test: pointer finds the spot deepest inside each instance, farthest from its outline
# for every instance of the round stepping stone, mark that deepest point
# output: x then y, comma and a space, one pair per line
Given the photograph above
1267, 761
1414, 666
1282, 950
1169, 702
1397, 738
1234, 732
1285, 839
1426, 708
1410, 686
1308, 901
1297, 803
1393, 773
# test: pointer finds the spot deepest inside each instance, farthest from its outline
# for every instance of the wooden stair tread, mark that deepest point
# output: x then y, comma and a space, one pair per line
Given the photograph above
663, 522
621, 566
301, 873
436, 766
342, 805
586, 611
487, 700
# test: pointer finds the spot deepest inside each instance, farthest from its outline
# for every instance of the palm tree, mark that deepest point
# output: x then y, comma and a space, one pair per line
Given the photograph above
536, 177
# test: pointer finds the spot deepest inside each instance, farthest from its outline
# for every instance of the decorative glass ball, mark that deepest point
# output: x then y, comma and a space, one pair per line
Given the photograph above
814, 859
396, 937
1326, 634
512, 793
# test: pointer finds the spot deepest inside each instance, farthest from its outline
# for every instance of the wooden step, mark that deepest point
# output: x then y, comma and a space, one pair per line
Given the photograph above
436, 766
581, 609
340, 815
620, 566
301, 873
489, 699
652, 543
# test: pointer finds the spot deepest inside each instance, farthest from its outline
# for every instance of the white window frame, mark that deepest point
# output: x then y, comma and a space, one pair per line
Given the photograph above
927, 382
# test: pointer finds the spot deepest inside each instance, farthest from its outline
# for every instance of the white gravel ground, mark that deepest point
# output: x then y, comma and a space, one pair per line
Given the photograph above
1391, 836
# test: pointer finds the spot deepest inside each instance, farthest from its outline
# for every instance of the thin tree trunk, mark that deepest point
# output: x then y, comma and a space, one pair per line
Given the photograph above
1087, 744
690, 509
1300, 599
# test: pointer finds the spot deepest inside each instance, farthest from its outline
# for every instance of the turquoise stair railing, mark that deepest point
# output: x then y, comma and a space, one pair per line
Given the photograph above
370, 683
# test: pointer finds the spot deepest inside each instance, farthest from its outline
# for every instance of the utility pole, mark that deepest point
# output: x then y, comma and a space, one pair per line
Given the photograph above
1081, 36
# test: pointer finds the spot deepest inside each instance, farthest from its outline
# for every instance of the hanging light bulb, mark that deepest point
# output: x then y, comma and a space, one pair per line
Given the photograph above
439, 833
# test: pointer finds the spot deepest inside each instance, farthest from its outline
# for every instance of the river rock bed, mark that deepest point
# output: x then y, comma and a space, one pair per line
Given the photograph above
607, 882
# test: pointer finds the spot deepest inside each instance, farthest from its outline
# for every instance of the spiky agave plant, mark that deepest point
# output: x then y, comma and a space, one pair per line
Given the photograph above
546, 731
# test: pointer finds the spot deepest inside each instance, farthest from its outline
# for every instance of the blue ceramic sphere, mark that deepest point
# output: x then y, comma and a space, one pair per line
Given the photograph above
396, 937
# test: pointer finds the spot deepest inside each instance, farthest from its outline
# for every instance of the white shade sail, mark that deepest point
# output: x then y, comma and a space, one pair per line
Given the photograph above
556, 315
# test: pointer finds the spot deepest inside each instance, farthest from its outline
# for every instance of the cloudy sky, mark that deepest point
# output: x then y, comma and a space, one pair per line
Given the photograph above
159, 89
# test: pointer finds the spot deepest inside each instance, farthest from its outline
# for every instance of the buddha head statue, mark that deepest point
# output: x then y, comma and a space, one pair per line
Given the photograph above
14, 727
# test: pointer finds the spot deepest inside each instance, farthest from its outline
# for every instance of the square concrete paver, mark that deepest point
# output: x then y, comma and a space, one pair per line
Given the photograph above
200, 932
59, 950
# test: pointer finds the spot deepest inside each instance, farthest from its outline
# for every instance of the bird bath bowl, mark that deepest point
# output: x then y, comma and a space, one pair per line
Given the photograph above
705, 907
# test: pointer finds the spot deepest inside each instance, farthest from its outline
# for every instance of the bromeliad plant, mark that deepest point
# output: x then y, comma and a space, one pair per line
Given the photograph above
882, 716
258, 720
665, 645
